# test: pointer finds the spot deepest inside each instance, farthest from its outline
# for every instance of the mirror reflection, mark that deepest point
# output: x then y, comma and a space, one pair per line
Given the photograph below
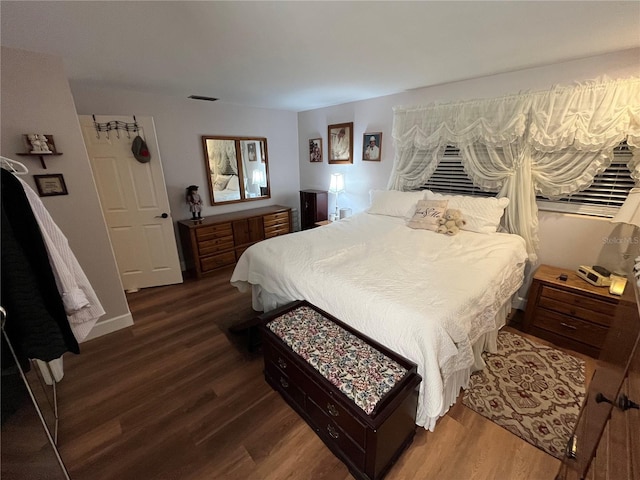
254, 168
237, 168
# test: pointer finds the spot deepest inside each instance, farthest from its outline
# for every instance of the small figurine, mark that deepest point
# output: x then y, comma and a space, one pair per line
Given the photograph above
195, 202
38, 143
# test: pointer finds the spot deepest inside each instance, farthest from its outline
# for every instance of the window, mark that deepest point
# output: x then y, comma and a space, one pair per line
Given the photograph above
603, 198
605, 195
450, 177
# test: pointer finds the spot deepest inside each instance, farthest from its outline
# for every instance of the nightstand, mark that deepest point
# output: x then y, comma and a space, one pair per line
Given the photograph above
571, 313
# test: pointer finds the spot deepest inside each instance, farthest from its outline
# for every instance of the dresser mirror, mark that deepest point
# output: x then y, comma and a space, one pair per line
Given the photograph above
237, 168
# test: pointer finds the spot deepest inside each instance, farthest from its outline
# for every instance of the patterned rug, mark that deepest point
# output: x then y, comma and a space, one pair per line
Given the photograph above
532, 390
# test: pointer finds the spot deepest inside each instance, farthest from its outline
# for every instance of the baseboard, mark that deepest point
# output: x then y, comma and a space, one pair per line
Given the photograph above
109, 325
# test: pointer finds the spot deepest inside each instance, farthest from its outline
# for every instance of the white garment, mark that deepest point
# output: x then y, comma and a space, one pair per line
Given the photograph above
80, 301
372, 153
340, 147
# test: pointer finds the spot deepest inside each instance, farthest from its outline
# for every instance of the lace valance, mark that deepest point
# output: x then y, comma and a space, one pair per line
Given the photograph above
551, 142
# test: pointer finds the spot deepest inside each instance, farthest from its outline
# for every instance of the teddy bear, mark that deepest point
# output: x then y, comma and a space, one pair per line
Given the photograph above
451, 222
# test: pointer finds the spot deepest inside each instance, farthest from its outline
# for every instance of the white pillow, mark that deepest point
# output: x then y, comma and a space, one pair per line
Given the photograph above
428, 213
233, 183
394, 202
482, 214
220, 182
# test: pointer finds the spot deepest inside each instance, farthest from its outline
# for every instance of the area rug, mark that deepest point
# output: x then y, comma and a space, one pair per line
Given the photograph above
532, 390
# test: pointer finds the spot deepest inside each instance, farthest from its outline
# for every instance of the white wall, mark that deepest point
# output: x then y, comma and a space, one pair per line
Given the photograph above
565, 240
180, 122
36, 98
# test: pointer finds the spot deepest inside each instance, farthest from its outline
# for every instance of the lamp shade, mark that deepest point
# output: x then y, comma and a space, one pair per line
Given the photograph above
257, 178
337, 183
630, 210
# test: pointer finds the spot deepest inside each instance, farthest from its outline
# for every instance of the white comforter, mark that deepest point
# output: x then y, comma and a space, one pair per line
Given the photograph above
424, 295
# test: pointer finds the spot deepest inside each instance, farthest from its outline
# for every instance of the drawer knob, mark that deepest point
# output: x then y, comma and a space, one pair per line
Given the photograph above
333, 411
570, 327
625, 404
283, 382
333, 433
282, 363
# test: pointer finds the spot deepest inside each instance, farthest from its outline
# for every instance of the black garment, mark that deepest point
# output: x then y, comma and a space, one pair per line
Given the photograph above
37, 324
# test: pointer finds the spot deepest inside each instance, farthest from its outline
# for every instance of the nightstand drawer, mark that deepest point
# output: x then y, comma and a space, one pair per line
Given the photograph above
583, 308
568, 311
573, 328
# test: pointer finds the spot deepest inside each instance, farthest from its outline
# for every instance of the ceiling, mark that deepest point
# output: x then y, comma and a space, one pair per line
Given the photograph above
304, 55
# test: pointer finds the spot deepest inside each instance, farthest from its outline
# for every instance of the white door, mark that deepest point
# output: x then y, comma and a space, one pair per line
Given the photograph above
134, 202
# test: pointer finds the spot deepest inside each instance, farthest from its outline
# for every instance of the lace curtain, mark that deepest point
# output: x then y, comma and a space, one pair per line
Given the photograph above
553, 142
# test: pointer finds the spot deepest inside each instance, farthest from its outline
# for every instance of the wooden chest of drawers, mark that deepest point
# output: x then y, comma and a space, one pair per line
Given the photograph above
220, 240
332, 378
570, 313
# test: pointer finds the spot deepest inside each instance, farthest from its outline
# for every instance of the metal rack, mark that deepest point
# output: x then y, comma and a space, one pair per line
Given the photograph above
52, 441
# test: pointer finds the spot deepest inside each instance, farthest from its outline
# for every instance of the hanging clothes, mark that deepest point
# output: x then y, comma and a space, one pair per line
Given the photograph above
80, 300
37, 324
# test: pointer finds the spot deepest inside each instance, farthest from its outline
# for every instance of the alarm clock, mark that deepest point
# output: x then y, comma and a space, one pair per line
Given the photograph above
597, 276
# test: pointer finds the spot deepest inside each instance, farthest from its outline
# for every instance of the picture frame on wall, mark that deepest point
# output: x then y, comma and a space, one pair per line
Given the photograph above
50, 185
340, 137
372, 146
315, 150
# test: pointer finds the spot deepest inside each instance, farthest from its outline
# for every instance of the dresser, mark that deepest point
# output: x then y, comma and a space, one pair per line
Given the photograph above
571, 313
359, 397
220, 240
314, 205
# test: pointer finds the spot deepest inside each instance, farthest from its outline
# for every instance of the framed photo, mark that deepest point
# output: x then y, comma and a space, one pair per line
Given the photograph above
341, 143
315, 150
251, 151
372, 146
50, 185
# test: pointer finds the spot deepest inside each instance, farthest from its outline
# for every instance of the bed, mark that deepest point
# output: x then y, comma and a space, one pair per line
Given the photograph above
436, 299
226, 188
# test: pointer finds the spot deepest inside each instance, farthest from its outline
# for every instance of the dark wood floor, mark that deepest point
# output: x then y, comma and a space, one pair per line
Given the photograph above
177, 396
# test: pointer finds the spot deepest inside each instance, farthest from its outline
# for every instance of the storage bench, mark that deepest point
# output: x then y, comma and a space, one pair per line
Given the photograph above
358, 396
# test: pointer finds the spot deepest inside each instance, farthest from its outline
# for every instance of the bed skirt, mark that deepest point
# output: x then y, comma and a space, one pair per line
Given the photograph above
264, 301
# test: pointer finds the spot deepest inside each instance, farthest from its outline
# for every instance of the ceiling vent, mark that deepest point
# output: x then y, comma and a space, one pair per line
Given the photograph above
202, 97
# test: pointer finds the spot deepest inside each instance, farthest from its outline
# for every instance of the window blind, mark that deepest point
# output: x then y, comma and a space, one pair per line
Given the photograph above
607, 193
450, 177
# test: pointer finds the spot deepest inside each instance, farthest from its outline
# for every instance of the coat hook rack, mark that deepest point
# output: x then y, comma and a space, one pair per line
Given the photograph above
117, 126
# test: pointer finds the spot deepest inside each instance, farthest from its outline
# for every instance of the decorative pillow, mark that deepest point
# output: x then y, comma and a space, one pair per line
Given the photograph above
482, 214
394, 202
221, 181
428, 212
233, 183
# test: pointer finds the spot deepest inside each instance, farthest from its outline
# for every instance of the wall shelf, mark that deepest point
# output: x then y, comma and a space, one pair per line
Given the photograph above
41, 155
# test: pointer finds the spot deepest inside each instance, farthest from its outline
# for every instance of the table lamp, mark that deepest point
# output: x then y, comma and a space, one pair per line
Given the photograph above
336, 186
257, 179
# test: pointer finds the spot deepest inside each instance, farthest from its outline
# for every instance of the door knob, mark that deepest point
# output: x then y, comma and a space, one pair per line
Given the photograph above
164, 215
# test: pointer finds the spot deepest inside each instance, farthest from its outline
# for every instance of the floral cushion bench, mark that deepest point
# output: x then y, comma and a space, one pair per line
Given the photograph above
358, 396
